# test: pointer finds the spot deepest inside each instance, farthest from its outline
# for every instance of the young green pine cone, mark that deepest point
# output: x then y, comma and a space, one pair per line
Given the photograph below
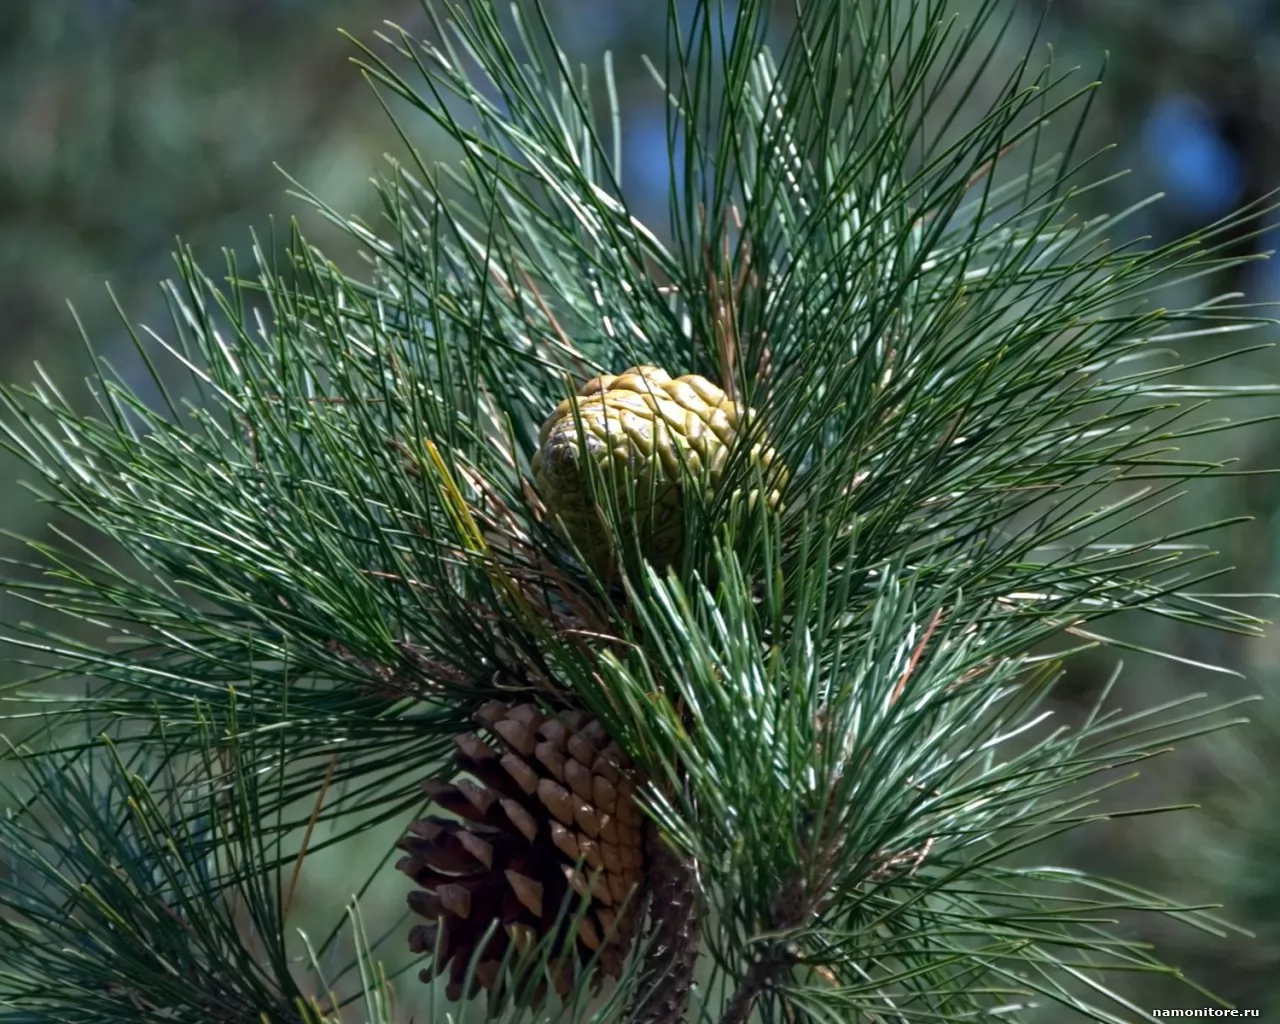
638, 428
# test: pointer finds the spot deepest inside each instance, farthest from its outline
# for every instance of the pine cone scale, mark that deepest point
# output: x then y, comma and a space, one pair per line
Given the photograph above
577, 777
603, 795
587, 819
521, 819
518, 735
478, 848
527, 891
566, 842
556, 799
551, 759
519, 771
455, 899
456, 800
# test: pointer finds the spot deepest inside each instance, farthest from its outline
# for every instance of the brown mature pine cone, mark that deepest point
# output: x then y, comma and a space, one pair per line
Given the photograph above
641, 423
553, 790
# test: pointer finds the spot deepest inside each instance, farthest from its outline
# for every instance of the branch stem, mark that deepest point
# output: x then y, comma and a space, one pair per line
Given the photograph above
752, 984
674, 911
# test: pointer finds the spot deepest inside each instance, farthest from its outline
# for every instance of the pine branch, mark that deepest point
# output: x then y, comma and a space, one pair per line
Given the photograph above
898, 421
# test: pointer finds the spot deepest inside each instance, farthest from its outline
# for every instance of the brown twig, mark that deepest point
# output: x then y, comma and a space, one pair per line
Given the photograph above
584, 368
724, 307
915, 657
306, 836
979, 174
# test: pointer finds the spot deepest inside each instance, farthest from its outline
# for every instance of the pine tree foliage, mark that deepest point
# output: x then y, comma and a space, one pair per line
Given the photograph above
328, 552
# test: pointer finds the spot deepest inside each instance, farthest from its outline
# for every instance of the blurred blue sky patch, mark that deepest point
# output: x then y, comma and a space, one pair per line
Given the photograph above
1201, 173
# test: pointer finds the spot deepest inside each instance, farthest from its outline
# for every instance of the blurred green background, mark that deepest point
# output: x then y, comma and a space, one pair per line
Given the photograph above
127, 123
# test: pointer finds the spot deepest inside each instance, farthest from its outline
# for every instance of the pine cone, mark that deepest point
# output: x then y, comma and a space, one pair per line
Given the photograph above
556, 792
641, 423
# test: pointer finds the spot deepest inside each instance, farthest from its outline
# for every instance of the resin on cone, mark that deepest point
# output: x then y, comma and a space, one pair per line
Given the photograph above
543, 810
639, 427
